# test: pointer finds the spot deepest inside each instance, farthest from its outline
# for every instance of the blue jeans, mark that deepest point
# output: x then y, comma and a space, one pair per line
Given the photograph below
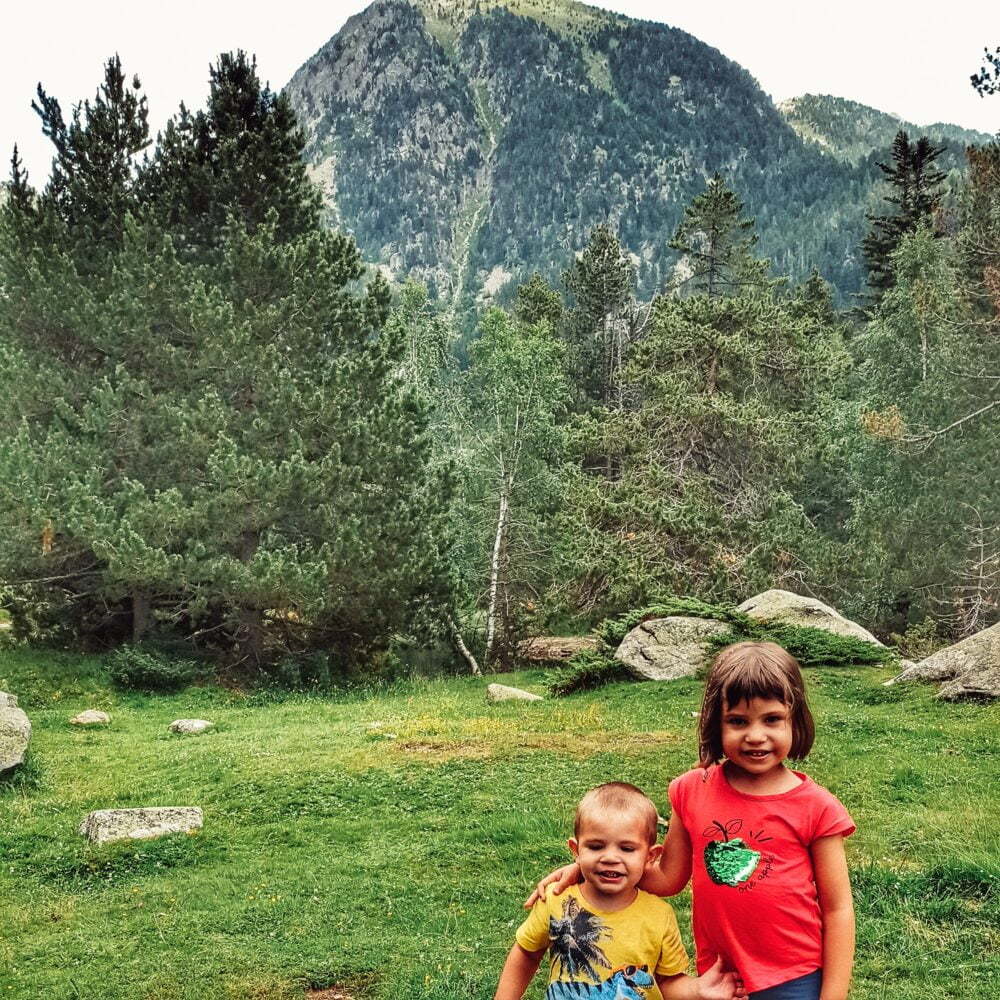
803, 988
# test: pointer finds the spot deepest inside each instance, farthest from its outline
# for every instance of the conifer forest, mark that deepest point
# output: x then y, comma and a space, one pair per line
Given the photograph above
231, 430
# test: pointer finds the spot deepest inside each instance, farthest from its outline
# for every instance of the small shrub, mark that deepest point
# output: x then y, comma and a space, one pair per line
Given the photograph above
815, 647
920, 640
584, 672
147, 670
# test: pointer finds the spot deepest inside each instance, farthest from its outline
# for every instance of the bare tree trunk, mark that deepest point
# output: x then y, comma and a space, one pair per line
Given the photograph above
456, 637
140, 614
491, 615
250, 632
713, 374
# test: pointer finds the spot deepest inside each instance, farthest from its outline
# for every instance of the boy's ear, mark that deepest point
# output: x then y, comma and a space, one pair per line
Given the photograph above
654, 852
574, 845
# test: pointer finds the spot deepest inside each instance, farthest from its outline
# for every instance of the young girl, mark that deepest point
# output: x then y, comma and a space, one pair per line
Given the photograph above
765, 844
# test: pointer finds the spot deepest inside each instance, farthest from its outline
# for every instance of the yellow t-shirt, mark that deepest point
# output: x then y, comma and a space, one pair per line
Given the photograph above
588, 947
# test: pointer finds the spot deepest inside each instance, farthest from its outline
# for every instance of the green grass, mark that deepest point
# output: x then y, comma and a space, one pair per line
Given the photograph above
385, 840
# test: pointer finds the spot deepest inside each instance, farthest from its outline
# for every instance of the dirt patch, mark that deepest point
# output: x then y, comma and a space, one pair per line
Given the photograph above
331, 993
582, 744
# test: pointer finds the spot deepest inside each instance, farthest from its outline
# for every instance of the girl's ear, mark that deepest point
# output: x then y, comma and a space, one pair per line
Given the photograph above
654, 853
574, 845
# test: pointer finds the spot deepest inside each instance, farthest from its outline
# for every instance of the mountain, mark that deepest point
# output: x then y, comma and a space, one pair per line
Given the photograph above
852, 131
468, 143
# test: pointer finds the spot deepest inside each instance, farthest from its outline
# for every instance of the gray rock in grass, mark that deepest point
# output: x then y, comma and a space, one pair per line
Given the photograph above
501, 692
794, 609
15, 733
91, 717
664, 649
190, 727
969, 669
106, 825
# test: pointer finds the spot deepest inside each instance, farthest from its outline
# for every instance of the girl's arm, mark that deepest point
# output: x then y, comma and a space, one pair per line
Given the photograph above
518, 971
837, 906
669, 873
713, 985
563, 877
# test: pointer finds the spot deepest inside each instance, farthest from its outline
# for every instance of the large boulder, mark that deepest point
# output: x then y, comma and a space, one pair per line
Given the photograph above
663, 649
970, 668
555, 649
501, 692
106, 825
15, 733
794, 609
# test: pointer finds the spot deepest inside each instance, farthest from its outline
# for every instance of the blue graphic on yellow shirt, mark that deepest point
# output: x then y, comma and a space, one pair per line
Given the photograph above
624, 984
576, 951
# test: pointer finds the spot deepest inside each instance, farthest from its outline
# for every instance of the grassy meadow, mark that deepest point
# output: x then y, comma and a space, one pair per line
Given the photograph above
382, 841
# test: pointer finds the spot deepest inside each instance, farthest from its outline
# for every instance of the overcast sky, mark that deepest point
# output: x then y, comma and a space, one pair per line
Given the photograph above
911, 57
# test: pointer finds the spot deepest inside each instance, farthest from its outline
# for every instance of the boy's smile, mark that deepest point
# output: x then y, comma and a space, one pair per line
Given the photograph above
612, 850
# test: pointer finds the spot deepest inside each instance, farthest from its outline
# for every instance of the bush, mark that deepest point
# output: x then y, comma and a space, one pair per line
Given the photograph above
812, 647
586, 671
148, 670
919, 641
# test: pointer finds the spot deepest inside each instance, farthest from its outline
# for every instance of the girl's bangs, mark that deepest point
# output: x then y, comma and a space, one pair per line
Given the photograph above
758, 679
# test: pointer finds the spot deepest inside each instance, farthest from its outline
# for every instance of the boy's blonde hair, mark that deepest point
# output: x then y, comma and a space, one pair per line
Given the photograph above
618, 796
748, 670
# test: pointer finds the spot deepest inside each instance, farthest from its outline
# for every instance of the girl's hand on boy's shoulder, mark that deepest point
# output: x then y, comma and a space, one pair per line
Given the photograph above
562, 877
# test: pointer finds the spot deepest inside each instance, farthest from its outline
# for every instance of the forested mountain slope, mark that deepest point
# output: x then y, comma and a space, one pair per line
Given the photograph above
853, 131
469, 144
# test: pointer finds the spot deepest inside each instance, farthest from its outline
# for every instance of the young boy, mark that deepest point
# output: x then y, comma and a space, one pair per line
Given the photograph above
606, 938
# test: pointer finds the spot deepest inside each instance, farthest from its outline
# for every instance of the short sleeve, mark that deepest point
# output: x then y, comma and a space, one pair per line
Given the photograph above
673, 958
677, 793
831, 819
533, 934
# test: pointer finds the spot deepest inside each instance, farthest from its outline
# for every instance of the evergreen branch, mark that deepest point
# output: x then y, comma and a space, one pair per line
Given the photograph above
929, 436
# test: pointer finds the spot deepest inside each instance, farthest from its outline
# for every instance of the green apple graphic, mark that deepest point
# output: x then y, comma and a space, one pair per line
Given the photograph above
728, 861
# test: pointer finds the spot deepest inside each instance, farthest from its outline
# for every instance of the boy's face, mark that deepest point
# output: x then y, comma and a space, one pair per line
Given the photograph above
612, 851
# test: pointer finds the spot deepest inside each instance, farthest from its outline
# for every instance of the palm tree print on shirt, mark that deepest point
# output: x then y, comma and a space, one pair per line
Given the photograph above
575, 938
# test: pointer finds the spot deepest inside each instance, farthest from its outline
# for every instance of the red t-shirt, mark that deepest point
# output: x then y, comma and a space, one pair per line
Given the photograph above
754, 892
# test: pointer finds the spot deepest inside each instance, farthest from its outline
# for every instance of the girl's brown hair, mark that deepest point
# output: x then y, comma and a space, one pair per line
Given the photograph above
749, 670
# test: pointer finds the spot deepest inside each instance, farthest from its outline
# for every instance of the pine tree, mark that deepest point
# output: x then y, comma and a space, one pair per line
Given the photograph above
209, 442
92, 188
717, 243
241, 157
604, 322
916, 192
987, 80
536, 300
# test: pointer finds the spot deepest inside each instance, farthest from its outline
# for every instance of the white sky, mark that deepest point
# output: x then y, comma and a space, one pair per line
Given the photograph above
911, 57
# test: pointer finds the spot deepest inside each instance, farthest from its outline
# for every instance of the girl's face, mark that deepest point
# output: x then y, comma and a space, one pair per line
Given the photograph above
757, 734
